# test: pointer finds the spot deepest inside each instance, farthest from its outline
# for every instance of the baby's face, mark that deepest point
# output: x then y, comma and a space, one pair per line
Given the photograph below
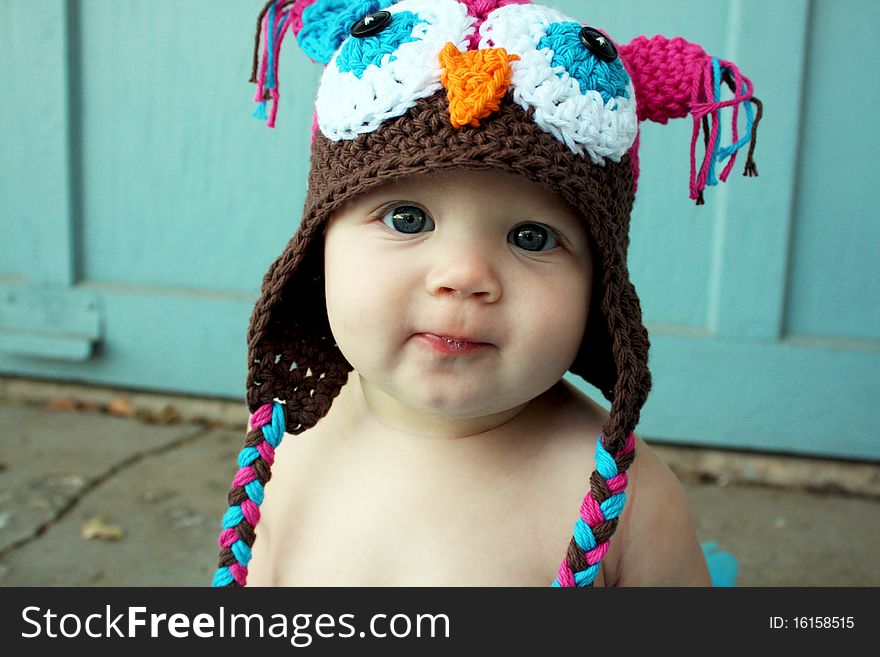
460, 293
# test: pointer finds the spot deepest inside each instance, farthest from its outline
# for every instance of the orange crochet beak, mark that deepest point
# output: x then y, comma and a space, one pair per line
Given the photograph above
475, 82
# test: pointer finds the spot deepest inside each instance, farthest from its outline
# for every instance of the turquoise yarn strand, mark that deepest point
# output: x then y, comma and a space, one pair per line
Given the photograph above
719, 154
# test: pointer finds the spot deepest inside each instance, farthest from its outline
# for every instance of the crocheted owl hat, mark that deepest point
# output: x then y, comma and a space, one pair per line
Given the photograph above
419, 86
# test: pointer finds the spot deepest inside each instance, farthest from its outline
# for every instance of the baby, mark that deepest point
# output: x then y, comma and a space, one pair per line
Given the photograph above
462, 247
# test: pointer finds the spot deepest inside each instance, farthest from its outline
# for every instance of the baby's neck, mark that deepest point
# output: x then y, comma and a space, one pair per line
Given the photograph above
425, 441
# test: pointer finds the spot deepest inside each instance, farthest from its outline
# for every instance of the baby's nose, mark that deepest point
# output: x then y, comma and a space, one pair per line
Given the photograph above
464, 273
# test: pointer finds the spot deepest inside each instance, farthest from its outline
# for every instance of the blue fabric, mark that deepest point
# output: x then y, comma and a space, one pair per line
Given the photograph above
247, 456
255, 491
586, 577
274, 431
608, 78
583, 535
605, 464
613, 506
723, 566
242, 552
232, 517
222, 577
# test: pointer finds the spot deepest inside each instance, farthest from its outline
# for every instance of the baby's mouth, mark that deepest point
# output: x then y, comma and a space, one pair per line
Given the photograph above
452, 345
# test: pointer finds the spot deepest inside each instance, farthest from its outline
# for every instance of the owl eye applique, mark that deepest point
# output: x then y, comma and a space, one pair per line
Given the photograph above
379, 73
569, 76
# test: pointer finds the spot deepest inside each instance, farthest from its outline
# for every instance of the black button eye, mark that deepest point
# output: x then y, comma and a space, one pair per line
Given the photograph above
370, 24
598, 44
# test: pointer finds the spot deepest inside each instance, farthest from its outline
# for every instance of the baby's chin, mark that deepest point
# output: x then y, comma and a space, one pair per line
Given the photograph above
435, 401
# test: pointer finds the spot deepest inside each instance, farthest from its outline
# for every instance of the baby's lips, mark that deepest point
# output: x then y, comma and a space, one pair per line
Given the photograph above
461, 337
462, 340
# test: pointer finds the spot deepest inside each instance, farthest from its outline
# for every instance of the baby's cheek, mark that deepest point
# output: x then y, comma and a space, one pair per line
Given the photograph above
563, 325
359, 302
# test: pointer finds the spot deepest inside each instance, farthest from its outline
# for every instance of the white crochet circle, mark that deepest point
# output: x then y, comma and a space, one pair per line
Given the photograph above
582, 121
348, 106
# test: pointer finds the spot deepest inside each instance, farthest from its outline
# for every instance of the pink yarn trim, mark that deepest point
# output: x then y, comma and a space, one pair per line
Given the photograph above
227, 537
591, 512
251, 512
273, 112
267, 452
296, 22
244, 476
565, 576
617, 484
595, 555
634, 160
239, 573
315, 127
261, 416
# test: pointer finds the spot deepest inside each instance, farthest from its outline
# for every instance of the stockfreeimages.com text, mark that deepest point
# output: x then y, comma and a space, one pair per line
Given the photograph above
301, 629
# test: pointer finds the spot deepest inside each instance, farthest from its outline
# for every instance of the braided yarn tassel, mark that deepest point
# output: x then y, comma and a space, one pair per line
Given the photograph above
246, 496
599, 512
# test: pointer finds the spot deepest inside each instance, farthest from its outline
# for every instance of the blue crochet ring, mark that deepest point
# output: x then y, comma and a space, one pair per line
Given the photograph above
326, 24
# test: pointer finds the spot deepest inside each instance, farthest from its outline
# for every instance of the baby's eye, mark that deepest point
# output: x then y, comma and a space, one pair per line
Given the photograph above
532, 237
407, 219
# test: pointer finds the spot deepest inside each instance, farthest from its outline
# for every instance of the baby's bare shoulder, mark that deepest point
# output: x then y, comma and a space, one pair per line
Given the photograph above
659, 545
655, 543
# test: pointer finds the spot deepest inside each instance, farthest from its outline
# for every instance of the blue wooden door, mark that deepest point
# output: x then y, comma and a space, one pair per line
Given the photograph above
140, 205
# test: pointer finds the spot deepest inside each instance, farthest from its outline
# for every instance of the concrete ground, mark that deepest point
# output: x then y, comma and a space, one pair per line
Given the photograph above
109, 488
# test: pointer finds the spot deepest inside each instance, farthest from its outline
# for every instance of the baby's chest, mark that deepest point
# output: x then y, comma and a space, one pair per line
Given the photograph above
379, 538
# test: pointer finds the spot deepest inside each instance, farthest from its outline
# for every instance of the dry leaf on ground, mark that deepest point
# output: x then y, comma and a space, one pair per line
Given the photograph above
167, 415
120, 406
99, 528
61, 404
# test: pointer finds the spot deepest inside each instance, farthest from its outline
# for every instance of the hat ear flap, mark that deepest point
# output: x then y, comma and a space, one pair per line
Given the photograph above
674, 78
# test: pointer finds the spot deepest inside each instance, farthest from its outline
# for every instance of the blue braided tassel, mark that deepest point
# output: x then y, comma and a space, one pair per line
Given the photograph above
273, 432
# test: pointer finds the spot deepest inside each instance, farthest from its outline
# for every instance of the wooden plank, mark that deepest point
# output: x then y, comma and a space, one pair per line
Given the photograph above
185, 341
48, 321
37, 196
834, 285
754, 222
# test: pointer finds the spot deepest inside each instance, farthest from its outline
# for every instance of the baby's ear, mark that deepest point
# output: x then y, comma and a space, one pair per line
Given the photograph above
321, 26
